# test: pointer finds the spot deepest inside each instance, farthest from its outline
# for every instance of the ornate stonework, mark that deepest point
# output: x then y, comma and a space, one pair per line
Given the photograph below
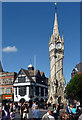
56, 80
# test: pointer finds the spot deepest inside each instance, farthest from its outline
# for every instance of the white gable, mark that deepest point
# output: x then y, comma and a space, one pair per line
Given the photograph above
22, 74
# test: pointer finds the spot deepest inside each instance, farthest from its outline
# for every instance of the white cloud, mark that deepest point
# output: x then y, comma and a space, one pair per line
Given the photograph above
10, 49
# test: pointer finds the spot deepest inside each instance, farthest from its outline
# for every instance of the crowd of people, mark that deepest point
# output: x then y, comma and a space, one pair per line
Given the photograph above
53, 111
71, 112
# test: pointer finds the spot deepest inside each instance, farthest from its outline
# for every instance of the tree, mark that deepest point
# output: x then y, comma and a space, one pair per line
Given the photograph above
74, 88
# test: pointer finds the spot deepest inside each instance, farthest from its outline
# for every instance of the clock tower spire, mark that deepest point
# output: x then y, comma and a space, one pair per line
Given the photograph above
56, 54
55, 29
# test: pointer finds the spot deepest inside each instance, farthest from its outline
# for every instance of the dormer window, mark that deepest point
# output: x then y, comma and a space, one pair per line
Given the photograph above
22, 79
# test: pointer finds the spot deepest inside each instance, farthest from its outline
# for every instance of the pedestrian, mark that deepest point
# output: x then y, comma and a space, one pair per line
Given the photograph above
27, 107
58, 109
69, 109
48, 115
74, 110
4, 115
64, 116
12, 115
80, 117
7, 107
14, 107
12, 112
78, 111
55, 111
21, 111
36, 113
19, 105
25, 113
33, 106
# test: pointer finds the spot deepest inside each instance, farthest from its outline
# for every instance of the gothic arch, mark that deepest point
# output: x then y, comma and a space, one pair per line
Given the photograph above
59, 99
37, 99
51, 98
22, 100
41, 100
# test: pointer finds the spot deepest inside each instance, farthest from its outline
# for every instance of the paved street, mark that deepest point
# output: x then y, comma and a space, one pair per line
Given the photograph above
42, 112
17, 116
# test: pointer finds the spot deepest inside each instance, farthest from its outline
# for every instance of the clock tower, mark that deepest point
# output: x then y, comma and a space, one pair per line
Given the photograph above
56, 80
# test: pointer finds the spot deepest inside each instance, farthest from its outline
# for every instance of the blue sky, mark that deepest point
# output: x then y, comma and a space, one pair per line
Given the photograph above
27, 27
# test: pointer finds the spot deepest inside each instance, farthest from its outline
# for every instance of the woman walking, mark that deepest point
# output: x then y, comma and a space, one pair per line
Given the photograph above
36, 113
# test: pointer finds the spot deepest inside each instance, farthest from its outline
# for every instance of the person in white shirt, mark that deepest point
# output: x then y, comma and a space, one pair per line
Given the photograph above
48, 115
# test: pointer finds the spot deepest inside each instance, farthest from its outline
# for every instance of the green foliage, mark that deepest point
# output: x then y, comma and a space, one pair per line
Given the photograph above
74, 87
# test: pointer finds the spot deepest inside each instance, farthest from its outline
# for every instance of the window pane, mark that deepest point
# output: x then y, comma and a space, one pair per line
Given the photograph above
42, 91
0, 90
21, 79
3, 91
9, 90
10, 81
46, 92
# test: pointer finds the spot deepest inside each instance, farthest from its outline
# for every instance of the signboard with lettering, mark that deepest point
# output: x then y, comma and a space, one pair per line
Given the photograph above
7, 96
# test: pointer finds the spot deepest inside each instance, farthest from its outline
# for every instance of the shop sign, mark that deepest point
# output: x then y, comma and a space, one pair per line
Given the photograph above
7, 96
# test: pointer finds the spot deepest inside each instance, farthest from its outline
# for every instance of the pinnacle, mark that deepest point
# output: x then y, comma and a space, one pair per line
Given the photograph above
1, 69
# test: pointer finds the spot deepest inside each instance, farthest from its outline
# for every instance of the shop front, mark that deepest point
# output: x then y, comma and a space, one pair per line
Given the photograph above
7, 98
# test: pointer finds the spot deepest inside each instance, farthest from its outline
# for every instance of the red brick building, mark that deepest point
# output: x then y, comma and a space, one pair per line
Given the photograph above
6, 85
77, 70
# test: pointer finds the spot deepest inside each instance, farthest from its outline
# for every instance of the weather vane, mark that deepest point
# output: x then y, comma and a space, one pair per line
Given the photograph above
55, 6
30, 61
55, 3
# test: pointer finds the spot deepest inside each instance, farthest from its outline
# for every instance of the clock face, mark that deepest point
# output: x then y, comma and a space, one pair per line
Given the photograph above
51, 46
59, 45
